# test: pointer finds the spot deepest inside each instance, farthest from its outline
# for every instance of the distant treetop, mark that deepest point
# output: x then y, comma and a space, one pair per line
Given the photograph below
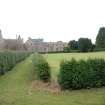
100, 39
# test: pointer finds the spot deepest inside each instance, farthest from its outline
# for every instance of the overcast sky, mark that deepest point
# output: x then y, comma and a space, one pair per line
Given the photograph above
52, 20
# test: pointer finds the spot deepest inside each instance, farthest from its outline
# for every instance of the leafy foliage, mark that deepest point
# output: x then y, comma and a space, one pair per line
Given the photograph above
73, 45
42, 68
9, 59
84, 44
82, 74
66, 49
100, 39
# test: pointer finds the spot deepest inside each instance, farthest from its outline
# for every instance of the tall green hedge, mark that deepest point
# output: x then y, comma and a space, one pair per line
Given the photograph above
82, 74
42, 68
9, 59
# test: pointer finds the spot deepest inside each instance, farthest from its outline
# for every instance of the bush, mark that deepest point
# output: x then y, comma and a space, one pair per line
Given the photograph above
42, 68
82, 74
84, 44
99, 49
9, 59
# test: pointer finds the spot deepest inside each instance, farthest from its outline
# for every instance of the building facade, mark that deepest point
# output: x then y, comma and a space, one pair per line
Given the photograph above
38, 45
14, 44
11, 44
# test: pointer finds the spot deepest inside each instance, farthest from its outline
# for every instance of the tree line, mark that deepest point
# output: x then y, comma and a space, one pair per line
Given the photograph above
86, 45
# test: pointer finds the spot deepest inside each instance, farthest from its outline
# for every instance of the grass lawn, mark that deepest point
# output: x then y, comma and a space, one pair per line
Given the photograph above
16, 89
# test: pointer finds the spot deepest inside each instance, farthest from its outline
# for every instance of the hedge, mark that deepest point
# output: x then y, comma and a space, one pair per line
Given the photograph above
42, 68
99, 49
82, 74
9, 59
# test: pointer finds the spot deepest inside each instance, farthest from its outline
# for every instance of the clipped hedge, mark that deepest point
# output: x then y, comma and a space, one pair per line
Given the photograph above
99, 49
82, 74
9, 59
42, 68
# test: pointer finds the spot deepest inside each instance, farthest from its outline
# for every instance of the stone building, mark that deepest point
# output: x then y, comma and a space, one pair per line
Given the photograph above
38, 45
34, 44
11, 44
14, 44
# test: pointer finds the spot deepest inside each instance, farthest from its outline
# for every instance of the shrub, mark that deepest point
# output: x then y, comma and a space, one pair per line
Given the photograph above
98, 49
44, 71
82, 74
66, 72
9, 59
42, 68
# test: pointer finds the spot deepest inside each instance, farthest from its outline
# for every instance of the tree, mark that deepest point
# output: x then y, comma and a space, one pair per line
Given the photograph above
84, 44
100, 39
93, 47
66, 49
73, 45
